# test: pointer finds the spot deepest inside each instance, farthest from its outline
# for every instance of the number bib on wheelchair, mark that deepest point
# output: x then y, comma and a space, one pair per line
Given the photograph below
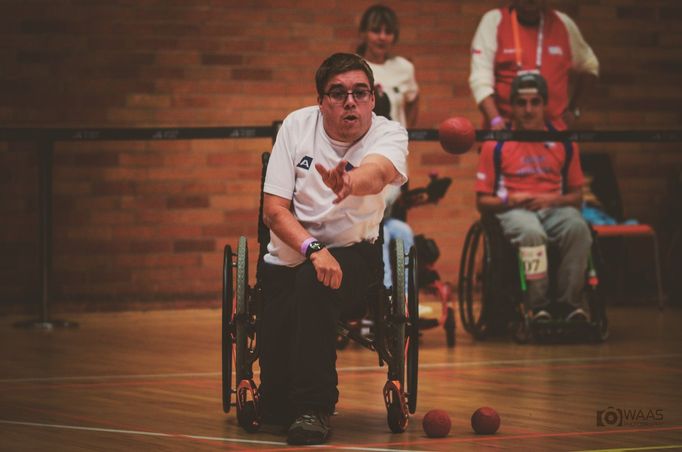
534, 259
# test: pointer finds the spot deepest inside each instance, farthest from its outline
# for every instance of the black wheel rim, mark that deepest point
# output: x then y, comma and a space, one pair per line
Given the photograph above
463, 278
476, 281
413, 336
241, 314
398, 313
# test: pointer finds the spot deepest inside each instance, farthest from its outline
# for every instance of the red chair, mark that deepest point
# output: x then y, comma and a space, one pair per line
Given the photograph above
635, 230
605, 188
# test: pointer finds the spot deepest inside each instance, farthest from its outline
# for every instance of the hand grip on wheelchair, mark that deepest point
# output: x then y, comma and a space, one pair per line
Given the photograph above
431, 194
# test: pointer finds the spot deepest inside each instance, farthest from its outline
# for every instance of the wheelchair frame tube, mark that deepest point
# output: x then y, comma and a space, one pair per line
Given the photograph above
522, 274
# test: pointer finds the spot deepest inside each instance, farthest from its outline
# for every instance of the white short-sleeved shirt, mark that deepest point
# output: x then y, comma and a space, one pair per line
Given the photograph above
397, 80
301, 143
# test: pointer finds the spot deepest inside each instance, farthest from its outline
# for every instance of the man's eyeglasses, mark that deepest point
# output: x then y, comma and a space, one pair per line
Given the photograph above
535, 102
339, 96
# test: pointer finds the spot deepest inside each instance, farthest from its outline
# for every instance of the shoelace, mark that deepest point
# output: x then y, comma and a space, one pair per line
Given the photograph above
308, 418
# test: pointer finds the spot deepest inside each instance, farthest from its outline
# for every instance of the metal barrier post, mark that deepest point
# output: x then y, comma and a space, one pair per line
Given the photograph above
46, 151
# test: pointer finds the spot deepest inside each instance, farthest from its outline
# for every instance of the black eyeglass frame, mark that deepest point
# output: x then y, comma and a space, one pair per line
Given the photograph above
355, 93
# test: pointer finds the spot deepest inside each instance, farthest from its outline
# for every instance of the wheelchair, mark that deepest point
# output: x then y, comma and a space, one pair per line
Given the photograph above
395, 313
428, 253
492, 291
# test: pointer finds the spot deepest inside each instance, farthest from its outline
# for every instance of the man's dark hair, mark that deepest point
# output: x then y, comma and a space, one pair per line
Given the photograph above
338, 64
374, 18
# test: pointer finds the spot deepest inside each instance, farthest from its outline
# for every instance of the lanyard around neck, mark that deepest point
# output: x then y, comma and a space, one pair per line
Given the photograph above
517, 41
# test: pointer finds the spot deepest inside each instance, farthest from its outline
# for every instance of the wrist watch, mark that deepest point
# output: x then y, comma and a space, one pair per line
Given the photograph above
576, 112
313, 247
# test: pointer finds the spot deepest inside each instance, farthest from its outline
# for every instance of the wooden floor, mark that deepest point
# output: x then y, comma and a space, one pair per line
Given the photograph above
150, 381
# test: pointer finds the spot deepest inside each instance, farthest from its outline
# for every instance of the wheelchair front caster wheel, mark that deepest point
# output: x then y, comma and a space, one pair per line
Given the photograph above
397, 418
248, 418
342, 342
396, 407
449, 327
600, 331
248, 410
522, 330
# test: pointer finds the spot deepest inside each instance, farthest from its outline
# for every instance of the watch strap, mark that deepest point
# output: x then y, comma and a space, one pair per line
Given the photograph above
313, 247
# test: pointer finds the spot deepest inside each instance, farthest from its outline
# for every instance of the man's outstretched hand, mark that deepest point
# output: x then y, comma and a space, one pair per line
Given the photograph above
337, 179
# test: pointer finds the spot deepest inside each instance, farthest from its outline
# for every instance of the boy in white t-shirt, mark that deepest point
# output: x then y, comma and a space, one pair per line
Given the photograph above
323, 204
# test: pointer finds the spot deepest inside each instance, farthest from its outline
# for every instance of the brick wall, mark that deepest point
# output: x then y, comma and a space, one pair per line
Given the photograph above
143, 224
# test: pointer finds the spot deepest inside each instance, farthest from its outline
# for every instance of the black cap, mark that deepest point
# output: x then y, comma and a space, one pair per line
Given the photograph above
531, 81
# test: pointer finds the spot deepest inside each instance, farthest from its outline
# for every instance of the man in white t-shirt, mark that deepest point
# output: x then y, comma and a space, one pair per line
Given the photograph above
323, 204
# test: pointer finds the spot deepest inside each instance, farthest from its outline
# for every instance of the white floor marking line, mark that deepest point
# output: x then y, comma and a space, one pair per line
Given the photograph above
138, 432
666, 446
585, 359
197, 437
111, 377
550, 360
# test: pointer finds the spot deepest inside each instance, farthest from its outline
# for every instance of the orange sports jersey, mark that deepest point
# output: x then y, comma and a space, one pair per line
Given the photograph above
556, 61
496, 59
528, 167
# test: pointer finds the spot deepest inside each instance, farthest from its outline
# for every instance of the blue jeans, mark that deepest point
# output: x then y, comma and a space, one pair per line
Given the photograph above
395, 229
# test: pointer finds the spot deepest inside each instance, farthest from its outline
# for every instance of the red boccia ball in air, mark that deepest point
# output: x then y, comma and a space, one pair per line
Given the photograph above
457, 135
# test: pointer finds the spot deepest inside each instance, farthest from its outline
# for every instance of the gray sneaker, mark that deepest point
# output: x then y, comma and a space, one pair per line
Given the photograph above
578, 315
541, 316
311, 427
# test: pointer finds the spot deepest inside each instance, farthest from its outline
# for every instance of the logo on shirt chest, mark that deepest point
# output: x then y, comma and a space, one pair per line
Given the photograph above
555, 50
305, 163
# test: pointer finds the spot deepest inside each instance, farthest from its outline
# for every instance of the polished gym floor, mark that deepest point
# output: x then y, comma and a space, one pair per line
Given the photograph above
151, 381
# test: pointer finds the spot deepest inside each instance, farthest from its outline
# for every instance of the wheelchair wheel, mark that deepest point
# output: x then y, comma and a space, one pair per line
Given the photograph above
227, 328
474, 280
342, 342
247, 394
600, 324
413, 331
397, 322
602, 329
595, 296
241, 314
397, 421
521, 328
397, 313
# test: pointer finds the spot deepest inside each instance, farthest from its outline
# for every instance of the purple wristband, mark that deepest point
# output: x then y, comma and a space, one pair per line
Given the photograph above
496, 120
505, 199
304, 245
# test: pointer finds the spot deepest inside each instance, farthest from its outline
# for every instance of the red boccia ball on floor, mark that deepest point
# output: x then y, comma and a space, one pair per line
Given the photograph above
457, 135
436, 424
485, 421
